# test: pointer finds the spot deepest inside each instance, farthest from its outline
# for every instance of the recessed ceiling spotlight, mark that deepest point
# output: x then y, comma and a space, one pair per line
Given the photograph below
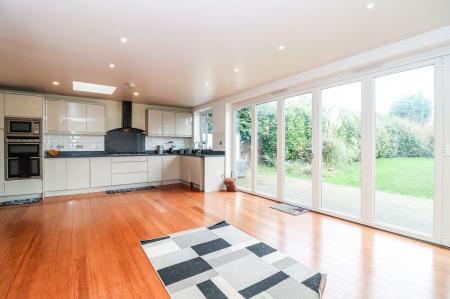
112, 65
207, 84
236, 70
56, 83
370, 5
136, 93
281, 47
123, 40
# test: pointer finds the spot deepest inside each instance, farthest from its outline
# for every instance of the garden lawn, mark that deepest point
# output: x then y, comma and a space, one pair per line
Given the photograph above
402, 175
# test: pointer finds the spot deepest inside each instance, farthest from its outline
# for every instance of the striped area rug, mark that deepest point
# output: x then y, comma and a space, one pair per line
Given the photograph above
222, 261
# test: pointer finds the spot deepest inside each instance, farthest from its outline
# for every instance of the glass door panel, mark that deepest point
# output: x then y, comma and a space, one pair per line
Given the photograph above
341, 149
266, 148
405, 149
243, 142
298, 150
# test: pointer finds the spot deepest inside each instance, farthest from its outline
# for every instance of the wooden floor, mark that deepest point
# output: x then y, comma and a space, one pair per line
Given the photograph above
87, 246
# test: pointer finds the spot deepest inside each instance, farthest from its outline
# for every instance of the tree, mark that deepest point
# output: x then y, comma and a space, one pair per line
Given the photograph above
416, 108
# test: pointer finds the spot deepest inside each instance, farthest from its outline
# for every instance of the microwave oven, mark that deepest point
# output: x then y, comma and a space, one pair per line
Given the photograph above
17, 126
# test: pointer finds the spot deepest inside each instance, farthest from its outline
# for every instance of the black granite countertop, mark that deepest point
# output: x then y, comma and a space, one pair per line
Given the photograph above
93, 154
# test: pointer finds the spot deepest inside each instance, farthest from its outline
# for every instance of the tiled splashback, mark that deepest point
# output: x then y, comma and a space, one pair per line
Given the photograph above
74, 142
152, 142
97, 143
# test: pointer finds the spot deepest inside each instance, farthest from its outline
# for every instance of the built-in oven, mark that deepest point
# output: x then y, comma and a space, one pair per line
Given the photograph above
18, 126
22, 148
23, 159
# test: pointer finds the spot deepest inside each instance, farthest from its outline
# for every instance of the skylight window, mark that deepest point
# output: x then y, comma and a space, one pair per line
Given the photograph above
95, 88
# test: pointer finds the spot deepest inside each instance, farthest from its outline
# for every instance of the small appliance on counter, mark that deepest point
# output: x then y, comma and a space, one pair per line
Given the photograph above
23, 140
160, 149
171, 147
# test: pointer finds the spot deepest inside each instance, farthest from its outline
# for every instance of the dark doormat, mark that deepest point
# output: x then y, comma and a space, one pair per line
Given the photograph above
290, 209
130, 189
19, 202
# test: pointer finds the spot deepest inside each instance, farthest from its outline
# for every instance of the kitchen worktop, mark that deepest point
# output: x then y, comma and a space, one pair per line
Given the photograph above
93, 154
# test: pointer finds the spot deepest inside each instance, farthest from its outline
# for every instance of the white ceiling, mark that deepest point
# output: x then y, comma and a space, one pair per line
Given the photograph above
175, 47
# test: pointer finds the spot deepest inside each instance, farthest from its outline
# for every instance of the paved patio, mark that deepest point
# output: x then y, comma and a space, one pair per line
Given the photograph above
407, 212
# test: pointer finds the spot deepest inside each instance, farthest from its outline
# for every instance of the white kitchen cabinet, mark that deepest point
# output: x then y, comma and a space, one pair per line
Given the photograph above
185, 168
196, 171
168, 123
171, 168
100, 171
191, 170
154, 123
129, 170
129, 159
76, 117
154, 167
183, 123
2, 111
22, 187
22, 105
96, 119
78, 173
129, 178
56, 116
55, 174
128, 167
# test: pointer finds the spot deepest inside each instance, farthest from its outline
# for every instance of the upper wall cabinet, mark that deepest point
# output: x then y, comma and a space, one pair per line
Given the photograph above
168, 123
183, 124
56, 116
22, 105
73, 117
76, 117
154, 123
96, 119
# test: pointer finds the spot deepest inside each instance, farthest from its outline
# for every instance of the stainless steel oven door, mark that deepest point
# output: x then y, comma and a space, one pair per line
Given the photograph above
23, 168
21, 149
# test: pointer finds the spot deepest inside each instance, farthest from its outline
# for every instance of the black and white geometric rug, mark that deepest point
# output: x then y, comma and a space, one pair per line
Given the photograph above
222, 261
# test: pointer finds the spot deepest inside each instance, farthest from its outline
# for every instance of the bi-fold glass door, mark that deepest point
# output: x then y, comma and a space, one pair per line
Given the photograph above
405, 149
298, 153
341, 149
361, 149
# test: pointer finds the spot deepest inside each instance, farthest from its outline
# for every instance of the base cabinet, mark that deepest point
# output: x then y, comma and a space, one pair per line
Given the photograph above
100, 172
22, 187
129, 170
78, 173
154, 168
170, 168
191, 170
55, 174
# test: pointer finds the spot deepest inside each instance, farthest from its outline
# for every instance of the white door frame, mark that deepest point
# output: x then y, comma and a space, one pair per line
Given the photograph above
441, 213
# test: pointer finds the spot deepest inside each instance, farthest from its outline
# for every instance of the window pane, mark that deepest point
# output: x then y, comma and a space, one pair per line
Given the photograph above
298, 151
341, 149
206, 128
266, 149
405, 149
243, 141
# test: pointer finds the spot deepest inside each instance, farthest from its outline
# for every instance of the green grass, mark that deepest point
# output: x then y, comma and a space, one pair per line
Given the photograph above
406, 176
